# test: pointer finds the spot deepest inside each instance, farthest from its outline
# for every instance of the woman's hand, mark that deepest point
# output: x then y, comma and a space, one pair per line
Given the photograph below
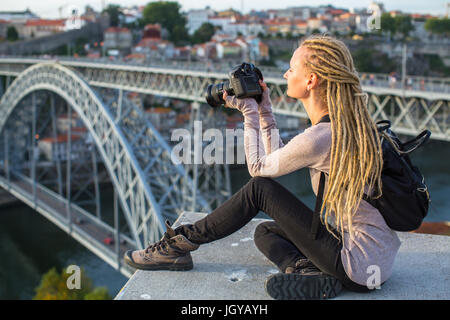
243, 105
266, 104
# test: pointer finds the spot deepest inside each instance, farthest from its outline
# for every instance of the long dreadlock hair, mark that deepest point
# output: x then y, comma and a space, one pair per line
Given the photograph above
356, 156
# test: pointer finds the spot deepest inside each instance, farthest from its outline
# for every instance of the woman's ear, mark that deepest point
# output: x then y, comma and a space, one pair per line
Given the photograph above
313, 81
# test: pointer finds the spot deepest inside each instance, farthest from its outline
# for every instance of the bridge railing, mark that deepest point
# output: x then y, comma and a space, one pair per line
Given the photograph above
418, 83
20, 187
89, 218
410, 111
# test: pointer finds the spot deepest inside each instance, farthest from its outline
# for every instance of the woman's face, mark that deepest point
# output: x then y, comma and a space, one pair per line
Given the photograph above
298, 78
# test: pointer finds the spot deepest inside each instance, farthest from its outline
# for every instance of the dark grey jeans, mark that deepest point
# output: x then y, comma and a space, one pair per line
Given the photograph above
282, 241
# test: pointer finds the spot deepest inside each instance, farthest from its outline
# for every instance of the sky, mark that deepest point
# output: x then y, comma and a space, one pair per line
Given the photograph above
49, 8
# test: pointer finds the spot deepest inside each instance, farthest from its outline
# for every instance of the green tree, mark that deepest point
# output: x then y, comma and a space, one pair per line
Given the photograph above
370, 60
12, 34
388, 25
167, 14
399, 24
403, 25
438, 26
113, 10
98, 294
204, 33
53, 286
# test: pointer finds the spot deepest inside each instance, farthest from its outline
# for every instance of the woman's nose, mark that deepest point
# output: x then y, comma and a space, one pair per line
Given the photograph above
285, 75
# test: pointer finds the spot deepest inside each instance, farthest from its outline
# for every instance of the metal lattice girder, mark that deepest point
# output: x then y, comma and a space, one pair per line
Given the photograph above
412, 113
429, 84
212, 181
171, 185
190, 85
141, 208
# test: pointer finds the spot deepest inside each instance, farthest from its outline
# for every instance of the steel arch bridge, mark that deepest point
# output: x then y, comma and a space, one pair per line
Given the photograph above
410, 111
148, 185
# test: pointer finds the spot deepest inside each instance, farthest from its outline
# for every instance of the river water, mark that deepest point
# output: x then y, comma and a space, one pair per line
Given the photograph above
30, 245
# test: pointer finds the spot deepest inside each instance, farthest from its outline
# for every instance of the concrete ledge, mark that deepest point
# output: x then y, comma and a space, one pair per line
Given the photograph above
234, 269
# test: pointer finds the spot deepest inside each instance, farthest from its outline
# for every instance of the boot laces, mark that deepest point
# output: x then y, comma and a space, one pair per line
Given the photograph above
163, 244
305, 266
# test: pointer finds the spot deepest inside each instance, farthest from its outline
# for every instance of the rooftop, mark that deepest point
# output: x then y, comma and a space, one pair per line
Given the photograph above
117, 30
45, 22
421, 271
60, 138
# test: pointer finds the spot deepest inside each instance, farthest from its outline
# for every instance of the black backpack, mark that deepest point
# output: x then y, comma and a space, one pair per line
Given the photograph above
405, 199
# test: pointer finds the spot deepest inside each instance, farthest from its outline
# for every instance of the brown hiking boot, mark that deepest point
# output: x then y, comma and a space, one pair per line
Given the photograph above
303, 282
172, 252
303, 266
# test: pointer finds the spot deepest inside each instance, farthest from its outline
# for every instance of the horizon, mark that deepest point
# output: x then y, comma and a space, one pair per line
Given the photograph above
50, 8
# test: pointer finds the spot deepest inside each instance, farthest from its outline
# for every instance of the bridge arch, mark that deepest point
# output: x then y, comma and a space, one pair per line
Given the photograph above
142, 211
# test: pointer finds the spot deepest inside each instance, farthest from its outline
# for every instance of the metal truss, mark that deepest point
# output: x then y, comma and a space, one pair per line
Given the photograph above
171, 185
123, 142
413, 109
211, 181
429, 84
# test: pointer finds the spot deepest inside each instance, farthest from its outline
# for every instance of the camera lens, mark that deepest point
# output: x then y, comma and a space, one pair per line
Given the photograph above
214, 93
210, 97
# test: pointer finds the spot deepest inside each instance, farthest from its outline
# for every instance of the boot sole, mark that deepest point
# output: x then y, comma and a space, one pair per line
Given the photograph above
167, 266
293, 286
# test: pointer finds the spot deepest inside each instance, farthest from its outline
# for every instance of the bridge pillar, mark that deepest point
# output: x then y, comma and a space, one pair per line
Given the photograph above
68, 167
119, 105
6, 154
210, 180
116, 229
96, 183
195, 116
33, 145
54, 132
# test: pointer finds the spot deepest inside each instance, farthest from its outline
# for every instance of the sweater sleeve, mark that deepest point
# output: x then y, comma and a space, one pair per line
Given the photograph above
268, 159
269, 130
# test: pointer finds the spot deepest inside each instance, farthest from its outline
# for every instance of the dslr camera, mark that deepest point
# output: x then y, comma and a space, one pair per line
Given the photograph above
243, 83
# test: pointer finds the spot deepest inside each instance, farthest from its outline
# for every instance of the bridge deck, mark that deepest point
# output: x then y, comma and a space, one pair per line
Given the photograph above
233, 268
84, 227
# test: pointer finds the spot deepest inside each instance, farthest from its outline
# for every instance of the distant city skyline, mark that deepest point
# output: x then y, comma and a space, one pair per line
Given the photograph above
50, 8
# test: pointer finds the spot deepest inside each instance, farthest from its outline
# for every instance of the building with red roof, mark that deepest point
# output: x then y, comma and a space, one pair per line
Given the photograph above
37, 28
152, 31
4, 24
118, 39
55, 148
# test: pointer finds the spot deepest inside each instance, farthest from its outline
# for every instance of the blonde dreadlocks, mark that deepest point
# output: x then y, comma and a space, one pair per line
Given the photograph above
356, 158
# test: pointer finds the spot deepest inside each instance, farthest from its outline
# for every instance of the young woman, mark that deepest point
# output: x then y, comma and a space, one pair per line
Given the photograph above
353, 248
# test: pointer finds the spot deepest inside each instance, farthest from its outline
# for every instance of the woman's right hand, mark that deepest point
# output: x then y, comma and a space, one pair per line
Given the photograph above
265, 106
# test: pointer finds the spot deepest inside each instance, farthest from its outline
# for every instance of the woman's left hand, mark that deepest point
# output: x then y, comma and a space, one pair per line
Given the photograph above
243, 105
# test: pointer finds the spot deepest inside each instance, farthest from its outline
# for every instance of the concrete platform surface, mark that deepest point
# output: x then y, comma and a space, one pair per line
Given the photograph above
234, 269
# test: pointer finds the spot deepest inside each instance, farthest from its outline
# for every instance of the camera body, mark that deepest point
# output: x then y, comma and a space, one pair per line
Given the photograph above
243, 83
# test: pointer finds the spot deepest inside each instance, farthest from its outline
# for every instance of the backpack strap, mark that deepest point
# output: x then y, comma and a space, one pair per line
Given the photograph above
416, 142
316, 213
383, 125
